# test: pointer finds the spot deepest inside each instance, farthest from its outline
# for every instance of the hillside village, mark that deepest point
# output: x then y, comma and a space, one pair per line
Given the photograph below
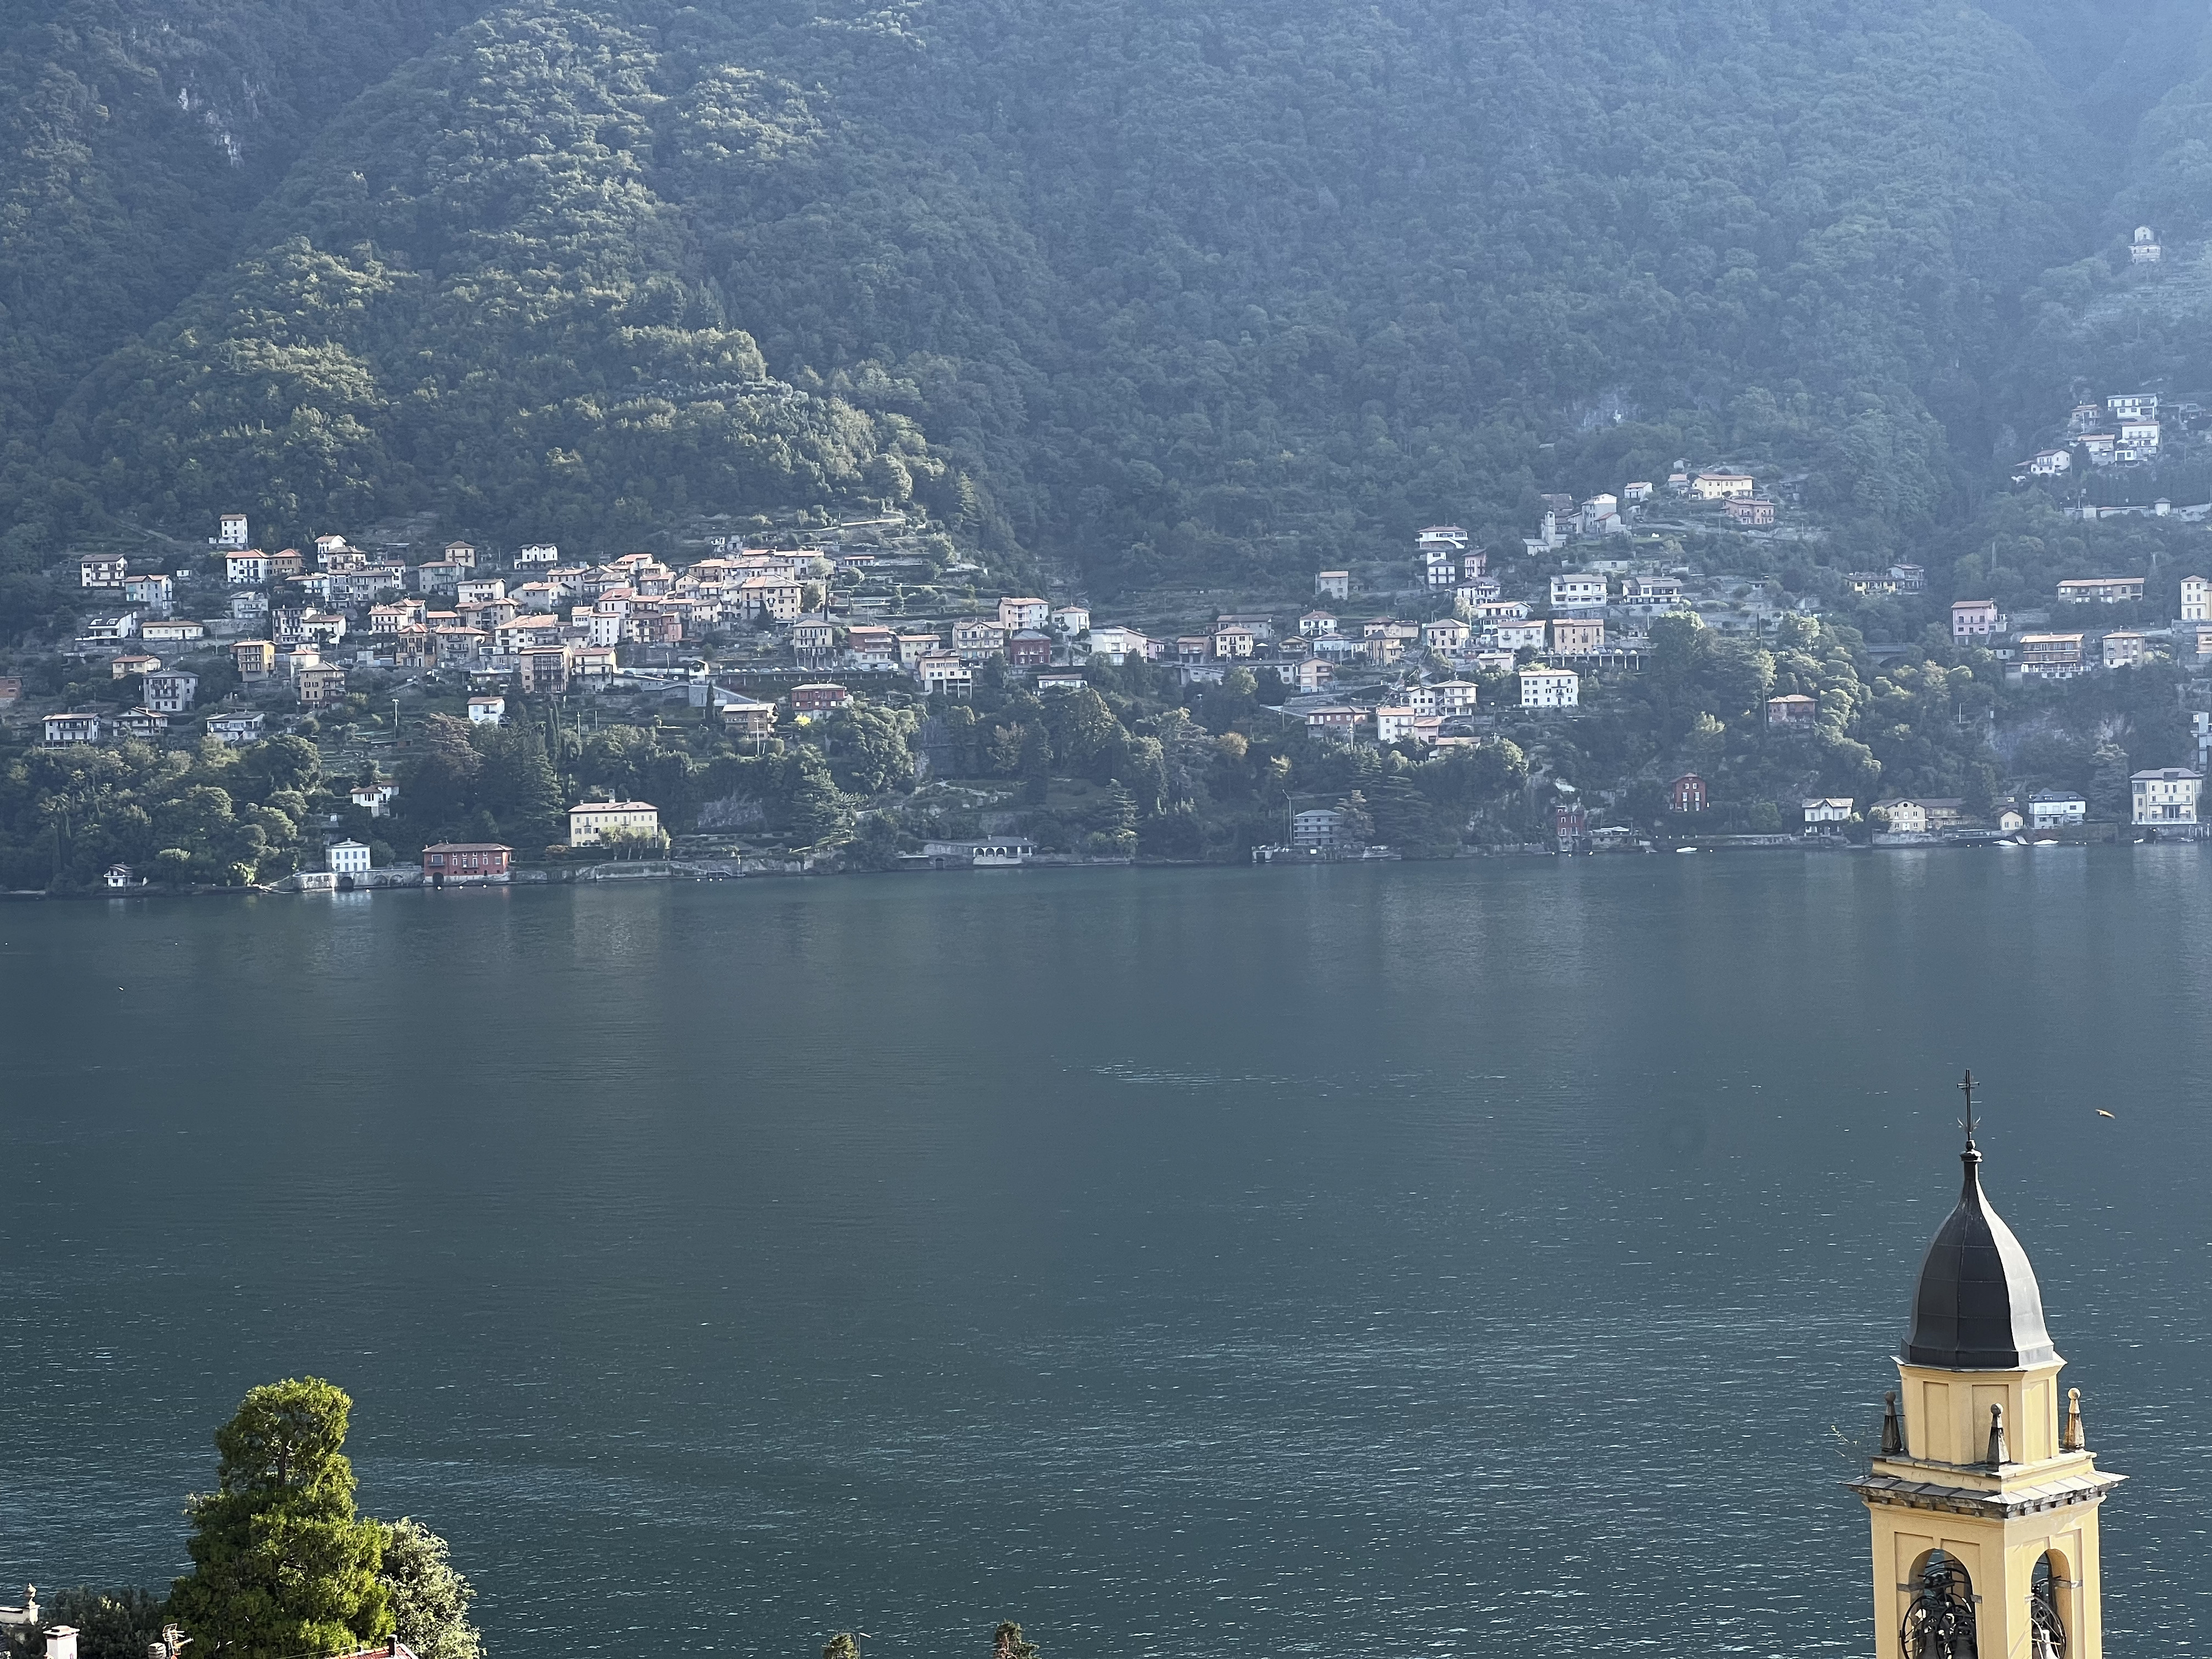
871, 636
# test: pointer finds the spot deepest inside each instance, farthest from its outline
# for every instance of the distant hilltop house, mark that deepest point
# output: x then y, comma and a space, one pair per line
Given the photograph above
1578, 591
2122, 649
1897, 579
1794, 709
1548, 536
1550, 687
64, 730
1650, 595
2145, 250
2101, 590
1332, 584
231, 532
1722, 486
2133, 405
1750, 512
1973, 619
1578, 636
2050, 656
102, 570
2049, 463
1601, 516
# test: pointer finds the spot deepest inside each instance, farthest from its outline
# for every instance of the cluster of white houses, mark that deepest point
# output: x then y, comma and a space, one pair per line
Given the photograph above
297, 623
2125, 430
2164, 797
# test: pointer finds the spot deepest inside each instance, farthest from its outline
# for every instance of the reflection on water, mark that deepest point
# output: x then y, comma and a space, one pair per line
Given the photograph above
1263, 1260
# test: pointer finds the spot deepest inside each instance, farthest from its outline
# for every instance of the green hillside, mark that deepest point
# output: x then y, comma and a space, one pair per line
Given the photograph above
1154, 290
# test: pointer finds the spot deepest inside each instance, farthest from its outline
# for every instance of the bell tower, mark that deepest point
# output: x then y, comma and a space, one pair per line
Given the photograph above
1984, 1499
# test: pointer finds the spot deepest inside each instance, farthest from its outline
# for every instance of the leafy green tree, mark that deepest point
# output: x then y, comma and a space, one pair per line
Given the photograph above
281, 1565
1007, 1642
430, 1598
818, 810
867, 750
2111, 793
1355, 824
516, 784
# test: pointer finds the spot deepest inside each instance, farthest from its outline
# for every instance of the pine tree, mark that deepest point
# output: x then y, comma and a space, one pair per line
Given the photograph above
281, 1563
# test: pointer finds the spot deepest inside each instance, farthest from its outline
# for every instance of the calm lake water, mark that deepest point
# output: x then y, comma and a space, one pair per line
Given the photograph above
1250, 1262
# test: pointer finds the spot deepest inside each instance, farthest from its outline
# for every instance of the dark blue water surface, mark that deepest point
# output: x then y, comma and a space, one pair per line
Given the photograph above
1246, 1263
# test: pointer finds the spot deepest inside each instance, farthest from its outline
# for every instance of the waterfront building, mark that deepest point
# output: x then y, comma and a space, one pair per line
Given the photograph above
1687, 794
347, 858
2167, 797
466, 861
1318, 830
591, 821
1984, 1499
2050, 808
1905, 818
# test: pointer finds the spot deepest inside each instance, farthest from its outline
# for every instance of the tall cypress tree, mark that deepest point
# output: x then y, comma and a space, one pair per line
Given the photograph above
281, 1563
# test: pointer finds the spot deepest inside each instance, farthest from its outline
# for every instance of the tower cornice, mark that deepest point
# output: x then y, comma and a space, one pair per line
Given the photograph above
2062, 1491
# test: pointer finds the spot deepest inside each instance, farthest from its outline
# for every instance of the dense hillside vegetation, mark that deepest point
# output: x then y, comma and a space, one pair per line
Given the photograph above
1161, 289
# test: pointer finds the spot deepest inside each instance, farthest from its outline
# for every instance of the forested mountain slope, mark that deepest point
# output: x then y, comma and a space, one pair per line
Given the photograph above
134, 141
1157, 287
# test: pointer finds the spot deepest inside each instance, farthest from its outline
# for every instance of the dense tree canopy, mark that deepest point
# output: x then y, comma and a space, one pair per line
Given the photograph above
1153, 287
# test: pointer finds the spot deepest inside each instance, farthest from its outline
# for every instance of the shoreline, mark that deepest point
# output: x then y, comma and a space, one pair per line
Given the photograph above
768, 869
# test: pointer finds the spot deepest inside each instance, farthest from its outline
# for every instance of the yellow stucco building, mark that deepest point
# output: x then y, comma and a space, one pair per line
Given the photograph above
1984, 1499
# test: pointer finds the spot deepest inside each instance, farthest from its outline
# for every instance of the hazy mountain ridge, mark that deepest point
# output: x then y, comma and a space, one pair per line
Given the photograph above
1158, 288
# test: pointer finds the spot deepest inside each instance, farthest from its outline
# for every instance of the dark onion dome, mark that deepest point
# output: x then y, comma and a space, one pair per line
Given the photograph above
1978, 1308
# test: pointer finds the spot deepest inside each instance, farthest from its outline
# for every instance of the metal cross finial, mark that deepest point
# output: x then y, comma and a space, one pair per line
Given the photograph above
1966, 1088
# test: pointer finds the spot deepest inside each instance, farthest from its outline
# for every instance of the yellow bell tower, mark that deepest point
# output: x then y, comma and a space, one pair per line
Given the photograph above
1984, 1499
